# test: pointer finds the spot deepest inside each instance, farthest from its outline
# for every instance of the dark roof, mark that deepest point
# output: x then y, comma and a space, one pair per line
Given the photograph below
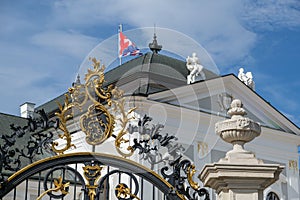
149, 62
152, 72
17, 142
143, 75
6, 120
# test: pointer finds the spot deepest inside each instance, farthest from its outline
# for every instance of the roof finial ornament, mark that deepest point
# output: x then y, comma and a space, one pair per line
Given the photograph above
77, 82
154, 46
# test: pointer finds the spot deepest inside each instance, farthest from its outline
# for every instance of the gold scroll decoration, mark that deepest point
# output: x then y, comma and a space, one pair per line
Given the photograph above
96, 121
63, 116
190, 173
59, 186
123, 119
92, 174
123, 192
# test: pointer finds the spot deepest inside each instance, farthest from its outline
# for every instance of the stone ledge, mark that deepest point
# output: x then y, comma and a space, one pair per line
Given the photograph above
239, 176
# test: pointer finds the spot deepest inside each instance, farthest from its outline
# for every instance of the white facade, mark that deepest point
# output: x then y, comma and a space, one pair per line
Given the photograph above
190, 113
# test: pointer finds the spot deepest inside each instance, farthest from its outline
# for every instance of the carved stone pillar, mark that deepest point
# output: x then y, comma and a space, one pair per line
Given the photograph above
240, 175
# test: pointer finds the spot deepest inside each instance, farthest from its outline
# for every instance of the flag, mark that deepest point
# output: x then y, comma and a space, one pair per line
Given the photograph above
126, 47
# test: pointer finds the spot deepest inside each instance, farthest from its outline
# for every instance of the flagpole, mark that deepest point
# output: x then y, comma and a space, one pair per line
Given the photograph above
119, 39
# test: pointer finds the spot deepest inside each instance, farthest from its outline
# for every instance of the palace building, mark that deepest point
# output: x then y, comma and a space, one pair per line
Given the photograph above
166, 114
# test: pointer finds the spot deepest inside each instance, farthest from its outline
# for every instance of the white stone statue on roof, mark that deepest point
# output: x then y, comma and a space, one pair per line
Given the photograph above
246, 78
195, 68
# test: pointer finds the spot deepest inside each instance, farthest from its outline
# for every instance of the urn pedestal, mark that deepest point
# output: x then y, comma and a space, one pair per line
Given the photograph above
240, 175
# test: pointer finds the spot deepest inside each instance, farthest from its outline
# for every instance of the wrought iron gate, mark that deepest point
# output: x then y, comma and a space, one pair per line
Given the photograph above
90, 175
60, 178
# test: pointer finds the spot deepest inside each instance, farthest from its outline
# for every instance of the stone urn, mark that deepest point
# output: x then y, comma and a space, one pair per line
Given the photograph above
240, 175
238, 130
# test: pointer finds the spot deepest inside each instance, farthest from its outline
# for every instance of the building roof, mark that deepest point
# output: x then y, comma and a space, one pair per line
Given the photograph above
151, 73
162, 78
144, 75
13, 142
6, 120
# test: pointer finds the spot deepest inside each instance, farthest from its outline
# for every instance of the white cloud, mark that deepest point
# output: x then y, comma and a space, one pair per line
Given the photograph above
213, 24
19, 85
223, 28
270, 15
227, 29
12, 25
70, 43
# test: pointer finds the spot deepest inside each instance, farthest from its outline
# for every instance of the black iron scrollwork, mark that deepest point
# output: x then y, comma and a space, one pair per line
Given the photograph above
122, 190
59, 179
151, 140
182, 170
98, 124
272, 196
59, 186
180, 175
33, 138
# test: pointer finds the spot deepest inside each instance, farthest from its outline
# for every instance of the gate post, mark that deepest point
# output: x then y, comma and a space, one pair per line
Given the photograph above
240, 175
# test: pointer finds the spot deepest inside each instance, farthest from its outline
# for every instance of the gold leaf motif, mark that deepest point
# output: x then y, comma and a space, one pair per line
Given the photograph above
119, 107
59, 186
124, 192
92, 174
190, 173
97, 122
63, 116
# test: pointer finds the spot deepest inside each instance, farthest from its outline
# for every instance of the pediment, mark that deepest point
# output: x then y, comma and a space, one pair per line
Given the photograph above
214, 96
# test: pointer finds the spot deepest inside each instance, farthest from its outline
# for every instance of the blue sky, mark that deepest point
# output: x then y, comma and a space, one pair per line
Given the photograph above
43, 43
